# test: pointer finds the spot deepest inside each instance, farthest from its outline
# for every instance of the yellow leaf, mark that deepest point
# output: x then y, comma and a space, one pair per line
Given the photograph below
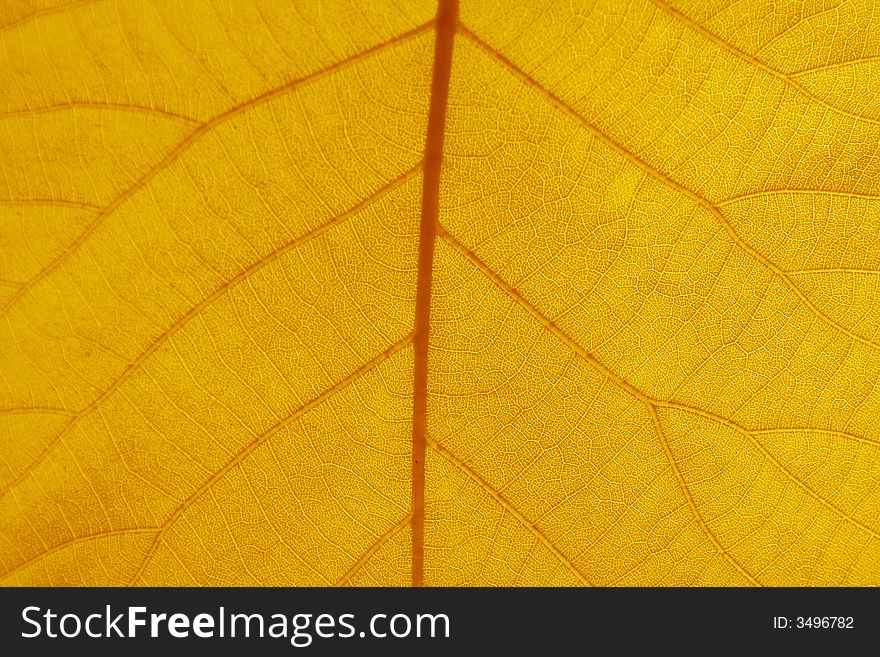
383, 293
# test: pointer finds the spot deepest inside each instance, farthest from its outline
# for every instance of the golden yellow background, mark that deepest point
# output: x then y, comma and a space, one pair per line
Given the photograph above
654, 342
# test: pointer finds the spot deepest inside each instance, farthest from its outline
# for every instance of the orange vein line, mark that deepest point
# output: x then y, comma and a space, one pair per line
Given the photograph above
498, 497
117, 106
45, 12
783, 192
382, 540
833, 270
81, 539
803, 486
547, 323
672, 11
825, 67
690, 499
52, 202
663, 178
633, 390
192, 138
21, 410
829, 432
259, 440
195, 310
446, 21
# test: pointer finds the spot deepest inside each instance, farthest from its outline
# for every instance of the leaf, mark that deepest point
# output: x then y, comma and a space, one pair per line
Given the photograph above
349, 293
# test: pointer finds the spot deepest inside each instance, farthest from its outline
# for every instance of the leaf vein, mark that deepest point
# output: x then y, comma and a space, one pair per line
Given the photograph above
191, 139
375, 547
76, 541
195, 310
261, 439
692, 503
140, 109
48, 11
498, 497
667, 180
672, 11
633, 390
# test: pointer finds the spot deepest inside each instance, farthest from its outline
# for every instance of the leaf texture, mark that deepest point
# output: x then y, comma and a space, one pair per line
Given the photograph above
399, 293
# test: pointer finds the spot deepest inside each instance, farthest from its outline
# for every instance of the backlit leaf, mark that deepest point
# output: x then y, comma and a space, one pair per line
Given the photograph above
386, 293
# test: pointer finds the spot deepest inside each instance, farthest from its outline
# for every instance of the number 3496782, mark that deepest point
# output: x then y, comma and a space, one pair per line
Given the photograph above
824, 622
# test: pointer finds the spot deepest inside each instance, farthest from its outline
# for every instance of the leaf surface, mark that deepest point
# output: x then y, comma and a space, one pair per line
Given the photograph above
383, 293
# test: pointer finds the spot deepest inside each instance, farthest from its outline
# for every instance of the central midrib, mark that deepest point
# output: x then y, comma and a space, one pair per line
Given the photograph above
446, 23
